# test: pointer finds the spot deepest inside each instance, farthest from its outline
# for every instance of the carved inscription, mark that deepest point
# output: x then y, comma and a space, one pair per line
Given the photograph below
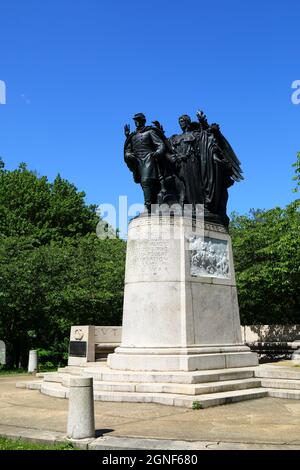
108, 334
150, 255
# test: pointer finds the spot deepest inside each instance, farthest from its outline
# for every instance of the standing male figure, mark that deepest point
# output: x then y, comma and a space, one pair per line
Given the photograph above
142, 151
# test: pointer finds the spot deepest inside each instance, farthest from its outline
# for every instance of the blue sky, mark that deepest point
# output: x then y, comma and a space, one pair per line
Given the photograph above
77, 70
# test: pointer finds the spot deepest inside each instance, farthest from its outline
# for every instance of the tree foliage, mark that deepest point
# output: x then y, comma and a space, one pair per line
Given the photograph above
296, 178
32, 206
266, 246
54, 271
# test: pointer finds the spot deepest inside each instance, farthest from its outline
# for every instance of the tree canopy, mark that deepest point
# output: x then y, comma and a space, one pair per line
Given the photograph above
296, 178
266, 247
32, 206
54, 271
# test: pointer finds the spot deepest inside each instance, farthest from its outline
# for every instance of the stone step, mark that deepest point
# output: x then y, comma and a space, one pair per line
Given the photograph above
284, 393
58, 377
187, 401
106, 374
182, 362
277, 372
74, 370
280, 383
53, 389
181, 389
189, 389
40, 375
30, 384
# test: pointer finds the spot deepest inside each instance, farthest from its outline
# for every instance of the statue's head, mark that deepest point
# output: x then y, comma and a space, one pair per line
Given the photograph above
139, 120
184, 122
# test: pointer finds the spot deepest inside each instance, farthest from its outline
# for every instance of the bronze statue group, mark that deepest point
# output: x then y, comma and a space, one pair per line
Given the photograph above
195, 167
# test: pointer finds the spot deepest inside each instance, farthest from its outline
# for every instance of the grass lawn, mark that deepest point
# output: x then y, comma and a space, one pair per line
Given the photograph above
19, 444
4, 371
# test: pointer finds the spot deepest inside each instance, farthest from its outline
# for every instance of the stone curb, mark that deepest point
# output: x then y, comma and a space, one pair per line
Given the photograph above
129, 443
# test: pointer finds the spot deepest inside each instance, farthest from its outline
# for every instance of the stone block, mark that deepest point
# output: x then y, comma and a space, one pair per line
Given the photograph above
81, 418
82, 345
241, 360
33, 361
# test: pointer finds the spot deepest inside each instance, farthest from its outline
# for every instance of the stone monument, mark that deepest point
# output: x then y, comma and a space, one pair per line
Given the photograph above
180, 302
181, 339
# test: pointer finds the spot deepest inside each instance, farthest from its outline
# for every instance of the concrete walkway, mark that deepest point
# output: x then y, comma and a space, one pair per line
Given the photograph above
266, 423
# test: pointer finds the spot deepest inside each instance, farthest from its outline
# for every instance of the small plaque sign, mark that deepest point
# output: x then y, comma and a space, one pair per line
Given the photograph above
77, 348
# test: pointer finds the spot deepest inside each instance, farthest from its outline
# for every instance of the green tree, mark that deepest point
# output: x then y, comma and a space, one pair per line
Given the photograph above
267, 261
54, 271
32, 206
266, 246
296, 178
48, 288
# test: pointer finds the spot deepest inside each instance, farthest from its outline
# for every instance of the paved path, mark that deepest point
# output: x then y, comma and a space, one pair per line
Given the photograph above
264, 423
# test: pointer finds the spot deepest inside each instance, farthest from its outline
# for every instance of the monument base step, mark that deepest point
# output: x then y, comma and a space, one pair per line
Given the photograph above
284, 393
174, 388
184, 362
106, 374
281, 384
281, 381
30, 385
73, 370
277, 372
179, 389
186, 401
206, 400
198, 389
195, 389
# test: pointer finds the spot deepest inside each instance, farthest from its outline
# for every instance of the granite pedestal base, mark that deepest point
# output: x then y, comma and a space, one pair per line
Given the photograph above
180, 302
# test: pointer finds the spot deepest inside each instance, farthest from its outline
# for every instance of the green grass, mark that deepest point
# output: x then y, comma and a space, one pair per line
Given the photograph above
197, 405
4, 371
19, 444
48, 369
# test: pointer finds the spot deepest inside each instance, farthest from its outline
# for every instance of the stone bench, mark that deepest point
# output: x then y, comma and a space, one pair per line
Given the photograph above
89, 343
107, 338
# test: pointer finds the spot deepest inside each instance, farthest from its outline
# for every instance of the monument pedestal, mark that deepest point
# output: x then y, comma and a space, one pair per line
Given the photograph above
180, 302
181, 337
